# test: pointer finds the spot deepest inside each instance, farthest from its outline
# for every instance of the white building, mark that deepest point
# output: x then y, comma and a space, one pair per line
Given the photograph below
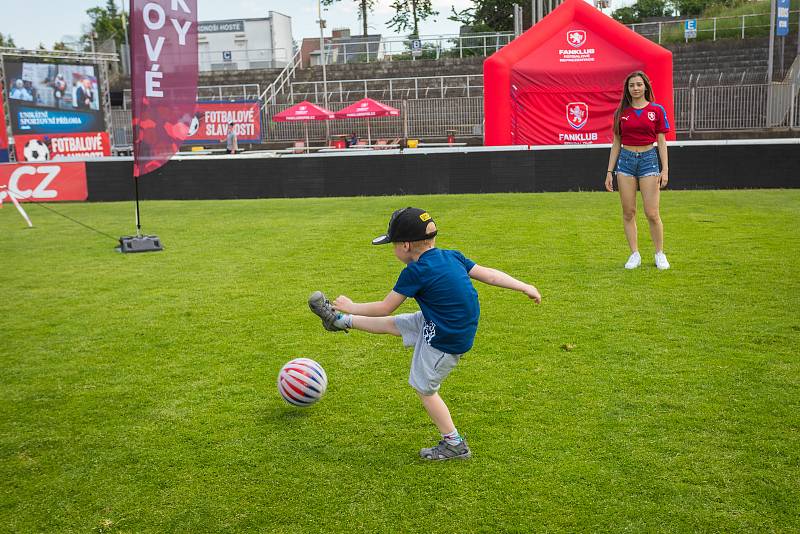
239, 44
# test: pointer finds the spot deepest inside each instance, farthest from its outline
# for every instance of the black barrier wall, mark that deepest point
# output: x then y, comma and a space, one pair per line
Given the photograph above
691, 167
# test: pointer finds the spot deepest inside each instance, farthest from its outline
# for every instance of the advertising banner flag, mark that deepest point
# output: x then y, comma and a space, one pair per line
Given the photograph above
164, 79
210, 121
54, 147
44, 182
3, 132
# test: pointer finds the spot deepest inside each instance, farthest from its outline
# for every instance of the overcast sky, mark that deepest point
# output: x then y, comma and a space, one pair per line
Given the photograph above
31, 22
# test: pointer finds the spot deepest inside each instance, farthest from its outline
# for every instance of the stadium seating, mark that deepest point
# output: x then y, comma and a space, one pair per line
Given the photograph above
728, 61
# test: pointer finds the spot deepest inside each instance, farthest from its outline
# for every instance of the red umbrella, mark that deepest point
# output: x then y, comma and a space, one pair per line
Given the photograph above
366, 108
304, 111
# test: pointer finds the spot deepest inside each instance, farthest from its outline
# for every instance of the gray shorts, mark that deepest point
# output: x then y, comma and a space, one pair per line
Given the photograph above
429, 365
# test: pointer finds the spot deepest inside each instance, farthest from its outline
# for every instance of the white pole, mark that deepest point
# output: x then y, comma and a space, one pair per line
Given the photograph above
324, 71
771, 39
13, 198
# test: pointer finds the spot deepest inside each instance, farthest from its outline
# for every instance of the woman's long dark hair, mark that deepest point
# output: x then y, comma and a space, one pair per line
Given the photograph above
627, 101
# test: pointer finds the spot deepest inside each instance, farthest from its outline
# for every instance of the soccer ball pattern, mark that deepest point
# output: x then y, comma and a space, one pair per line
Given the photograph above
194, 126
302, 382
36, 150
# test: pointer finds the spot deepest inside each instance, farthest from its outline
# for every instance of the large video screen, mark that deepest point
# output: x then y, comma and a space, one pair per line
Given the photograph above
46, 98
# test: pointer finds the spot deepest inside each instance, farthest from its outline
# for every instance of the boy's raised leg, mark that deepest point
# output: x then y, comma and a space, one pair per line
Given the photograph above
376, 325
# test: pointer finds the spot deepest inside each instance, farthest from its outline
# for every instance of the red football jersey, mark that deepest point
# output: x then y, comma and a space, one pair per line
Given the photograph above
640, 127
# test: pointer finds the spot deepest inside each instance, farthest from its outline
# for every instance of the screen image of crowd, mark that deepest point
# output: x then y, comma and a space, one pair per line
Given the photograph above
65, 87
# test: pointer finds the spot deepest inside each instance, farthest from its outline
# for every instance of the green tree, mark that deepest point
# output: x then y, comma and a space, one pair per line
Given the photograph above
625, 15
653, 8
643, 9
409, 13
7, 41
106, 23
695, 7
364, 7
487, 16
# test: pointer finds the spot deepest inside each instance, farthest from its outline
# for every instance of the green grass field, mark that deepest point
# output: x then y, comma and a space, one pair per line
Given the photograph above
137, 392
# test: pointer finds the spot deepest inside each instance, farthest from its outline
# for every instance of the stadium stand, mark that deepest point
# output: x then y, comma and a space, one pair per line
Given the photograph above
729, 61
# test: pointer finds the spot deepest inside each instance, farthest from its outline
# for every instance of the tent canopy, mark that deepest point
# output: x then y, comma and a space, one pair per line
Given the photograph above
560, 82
304, 111
367, 107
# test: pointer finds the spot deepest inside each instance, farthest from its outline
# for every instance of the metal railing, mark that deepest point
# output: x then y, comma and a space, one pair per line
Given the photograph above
719, 108
245, 59
740, 107
282, 83
396, 48
467, 85
121, 129
714, 108
418, 118
242, 91
739, 26
741, 77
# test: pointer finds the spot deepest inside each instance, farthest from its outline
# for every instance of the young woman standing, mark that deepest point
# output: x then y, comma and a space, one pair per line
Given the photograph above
638, 123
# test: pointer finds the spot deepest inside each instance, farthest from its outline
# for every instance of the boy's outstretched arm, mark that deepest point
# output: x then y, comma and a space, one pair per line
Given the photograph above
493, 277
382, 308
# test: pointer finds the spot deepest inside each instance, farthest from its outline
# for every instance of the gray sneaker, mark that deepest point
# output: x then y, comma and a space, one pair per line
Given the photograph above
322, 307
445, 451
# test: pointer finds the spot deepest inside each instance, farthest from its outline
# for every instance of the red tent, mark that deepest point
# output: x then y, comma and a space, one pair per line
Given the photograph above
560, 82
304, 111
367, 107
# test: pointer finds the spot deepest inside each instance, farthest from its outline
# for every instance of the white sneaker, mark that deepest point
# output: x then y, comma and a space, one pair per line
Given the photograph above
661, 261
634, 261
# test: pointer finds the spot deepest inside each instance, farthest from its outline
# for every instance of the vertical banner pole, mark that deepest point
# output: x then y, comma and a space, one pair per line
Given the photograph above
324, 70
164, 73
138, 218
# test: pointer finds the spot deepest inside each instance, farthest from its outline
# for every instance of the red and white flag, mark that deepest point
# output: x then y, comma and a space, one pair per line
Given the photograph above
163, 78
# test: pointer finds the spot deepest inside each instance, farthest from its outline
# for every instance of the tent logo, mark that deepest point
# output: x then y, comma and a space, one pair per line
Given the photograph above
576, 38
577, 114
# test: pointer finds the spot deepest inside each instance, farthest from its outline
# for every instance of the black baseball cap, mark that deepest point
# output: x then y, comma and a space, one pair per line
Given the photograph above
407, 224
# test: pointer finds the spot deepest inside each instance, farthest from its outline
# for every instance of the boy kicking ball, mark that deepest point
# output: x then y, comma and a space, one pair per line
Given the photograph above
444, 329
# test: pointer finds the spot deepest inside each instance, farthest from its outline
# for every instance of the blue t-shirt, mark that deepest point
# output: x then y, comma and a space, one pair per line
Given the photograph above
439, 281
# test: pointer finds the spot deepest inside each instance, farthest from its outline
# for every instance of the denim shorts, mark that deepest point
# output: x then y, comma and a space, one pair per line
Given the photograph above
638, 164
429, 365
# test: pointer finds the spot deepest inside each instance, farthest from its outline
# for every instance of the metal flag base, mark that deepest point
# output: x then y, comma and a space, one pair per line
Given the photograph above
141, 243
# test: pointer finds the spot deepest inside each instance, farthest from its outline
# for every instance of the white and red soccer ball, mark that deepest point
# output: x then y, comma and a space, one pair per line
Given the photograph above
302, 382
